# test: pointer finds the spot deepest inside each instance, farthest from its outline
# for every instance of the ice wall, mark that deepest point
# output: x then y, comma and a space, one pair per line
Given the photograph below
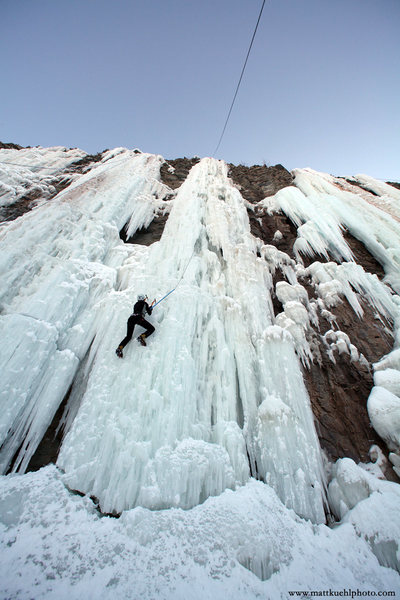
215, 398
33, 170
57, 263
218, 394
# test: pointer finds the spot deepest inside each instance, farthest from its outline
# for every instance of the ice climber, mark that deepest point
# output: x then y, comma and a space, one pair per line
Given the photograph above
137, 318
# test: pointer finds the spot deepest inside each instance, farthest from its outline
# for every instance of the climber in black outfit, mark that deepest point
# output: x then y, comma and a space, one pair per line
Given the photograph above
137, 318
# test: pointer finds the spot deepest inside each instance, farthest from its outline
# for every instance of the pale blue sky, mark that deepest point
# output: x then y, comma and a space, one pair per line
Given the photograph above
321, 88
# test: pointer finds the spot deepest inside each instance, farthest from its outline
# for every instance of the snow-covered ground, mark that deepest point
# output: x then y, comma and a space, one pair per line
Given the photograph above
240, 544
173, 436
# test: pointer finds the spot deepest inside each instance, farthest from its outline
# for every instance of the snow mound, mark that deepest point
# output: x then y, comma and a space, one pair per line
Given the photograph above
370, 505
243, 544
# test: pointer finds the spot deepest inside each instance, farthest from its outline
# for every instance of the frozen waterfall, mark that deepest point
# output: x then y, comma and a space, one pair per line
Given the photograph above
218, 394
204, 441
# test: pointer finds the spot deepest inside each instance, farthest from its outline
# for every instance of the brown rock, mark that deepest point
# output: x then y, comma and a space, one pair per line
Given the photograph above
181, 168
259, 181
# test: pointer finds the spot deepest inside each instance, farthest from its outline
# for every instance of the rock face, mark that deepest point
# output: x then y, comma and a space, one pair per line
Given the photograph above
10, 146
174, 172
338, 390
147, 236
258, 182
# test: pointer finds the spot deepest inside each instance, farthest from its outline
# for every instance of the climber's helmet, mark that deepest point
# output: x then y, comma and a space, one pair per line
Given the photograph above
141, 297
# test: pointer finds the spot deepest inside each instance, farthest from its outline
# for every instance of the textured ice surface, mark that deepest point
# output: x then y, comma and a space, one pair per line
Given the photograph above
295, 317
389, 379
180, 420
388, 195
395, 460
30, 397
340, 342
57, 263
32, 170
321, 206
371, 506
384, 401
242, 544
349, 280
384, 413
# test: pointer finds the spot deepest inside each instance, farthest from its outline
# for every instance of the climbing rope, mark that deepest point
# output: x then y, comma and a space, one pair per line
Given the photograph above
240, 79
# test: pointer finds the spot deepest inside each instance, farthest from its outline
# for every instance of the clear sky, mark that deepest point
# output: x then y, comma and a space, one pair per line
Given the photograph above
321, 88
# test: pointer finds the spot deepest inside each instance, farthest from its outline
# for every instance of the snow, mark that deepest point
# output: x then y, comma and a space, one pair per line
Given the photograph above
384, 413
384, 400
174, 436
33, 170
242, 544
389, 379
340, 342
370, 505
